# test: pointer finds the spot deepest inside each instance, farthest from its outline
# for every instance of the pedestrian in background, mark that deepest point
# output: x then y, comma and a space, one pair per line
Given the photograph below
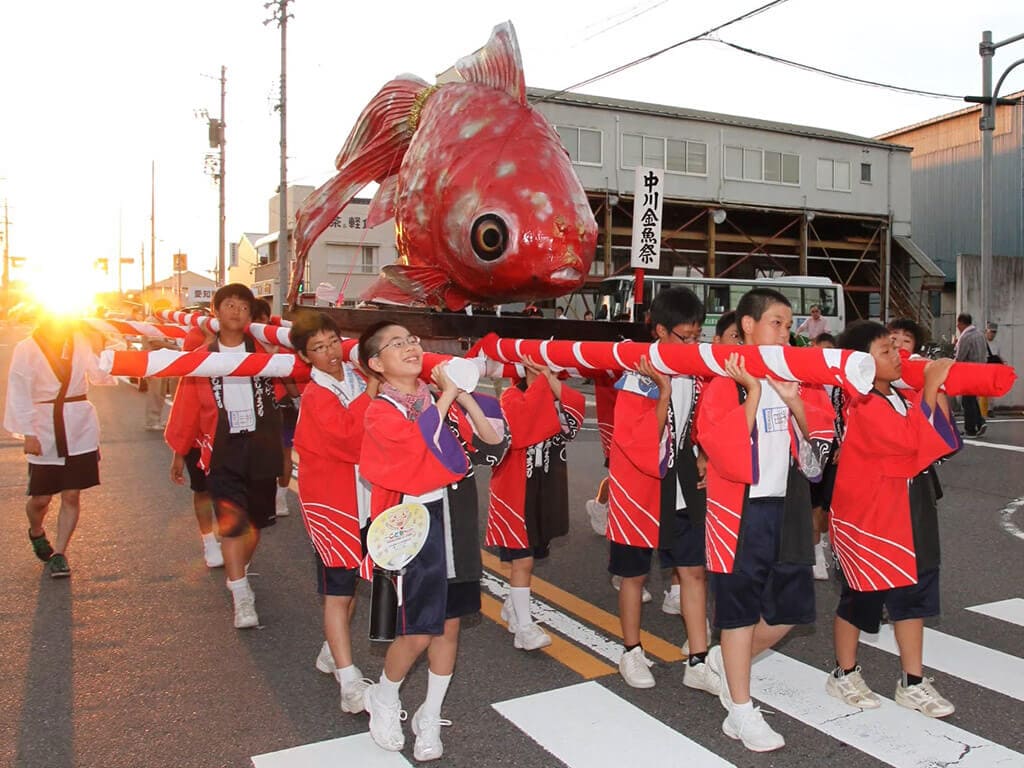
970, 348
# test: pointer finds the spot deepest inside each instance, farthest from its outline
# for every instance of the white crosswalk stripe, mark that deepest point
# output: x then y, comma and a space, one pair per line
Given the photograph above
1011, 610
356, 751
588, 725
969, 661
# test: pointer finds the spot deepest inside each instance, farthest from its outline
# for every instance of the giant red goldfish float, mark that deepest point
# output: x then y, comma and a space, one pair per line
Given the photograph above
486, 204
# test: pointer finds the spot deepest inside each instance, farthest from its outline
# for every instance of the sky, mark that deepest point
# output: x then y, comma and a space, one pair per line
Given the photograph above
96, 92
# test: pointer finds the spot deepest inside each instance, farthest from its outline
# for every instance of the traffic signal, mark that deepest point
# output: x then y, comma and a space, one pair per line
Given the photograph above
302, 286
103, 264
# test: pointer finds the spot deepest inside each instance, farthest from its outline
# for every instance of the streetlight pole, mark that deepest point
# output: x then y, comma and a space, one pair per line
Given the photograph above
989, 100
222, 174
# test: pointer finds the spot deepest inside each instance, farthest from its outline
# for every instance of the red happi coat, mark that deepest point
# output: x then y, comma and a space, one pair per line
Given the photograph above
870, 522
721, 429
636, 465
533, 416
194, 416
605, 395
328, 439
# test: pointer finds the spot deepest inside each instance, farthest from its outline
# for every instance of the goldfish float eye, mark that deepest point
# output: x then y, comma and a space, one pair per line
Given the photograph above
489, 237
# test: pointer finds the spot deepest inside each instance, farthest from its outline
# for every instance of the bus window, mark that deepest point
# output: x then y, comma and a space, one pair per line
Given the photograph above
825, 298
793, 294
718, 299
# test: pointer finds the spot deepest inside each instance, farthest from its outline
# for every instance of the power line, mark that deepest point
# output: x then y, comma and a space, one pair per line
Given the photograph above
622, 67
835, 75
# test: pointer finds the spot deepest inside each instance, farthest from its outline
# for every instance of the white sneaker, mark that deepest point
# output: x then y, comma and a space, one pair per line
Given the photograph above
281, 503
702, 678
508, 614
820, 569
212, 555
717, 666
352, 694
245, 610
598, 514
851, 689
530, 637
325, 660
428, 736
385, 720
617, 583
753, 731
635, 669
670, 603
924, 698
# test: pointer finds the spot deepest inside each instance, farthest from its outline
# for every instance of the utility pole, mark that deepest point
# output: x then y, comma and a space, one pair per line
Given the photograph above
222, 135
281, 16
152, 224
989, 101
142, 268
7, 261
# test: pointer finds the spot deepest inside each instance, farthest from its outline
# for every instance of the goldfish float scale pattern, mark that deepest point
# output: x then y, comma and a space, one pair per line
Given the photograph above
486, 204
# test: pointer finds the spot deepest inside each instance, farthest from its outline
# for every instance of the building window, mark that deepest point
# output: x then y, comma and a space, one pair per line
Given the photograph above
865, 173
743, 164
833, 175
368, 262
584, 145
672, 155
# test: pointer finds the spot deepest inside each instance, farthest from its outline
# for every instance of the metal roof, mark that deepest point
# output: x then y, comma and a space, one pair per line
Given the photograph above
943, 117
685, 113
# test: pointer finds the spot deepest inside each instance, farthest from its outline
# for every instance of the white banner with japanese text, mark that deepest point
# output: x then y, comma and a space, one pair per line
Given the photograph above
648, 188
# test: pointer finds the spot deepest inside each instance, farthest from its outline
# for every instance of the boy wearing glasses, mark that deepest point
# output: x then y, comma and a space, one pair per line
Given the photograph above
236, 425
656, 497
335, 500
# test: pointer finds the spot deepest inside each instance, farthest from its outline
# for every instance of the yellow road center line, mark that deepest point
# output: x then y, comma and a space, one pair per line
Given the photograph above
600, 618
575, 658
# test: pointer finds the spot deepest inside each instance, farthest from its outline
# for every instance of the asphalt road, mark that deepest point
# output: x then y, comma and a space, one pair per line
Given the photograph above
133, 661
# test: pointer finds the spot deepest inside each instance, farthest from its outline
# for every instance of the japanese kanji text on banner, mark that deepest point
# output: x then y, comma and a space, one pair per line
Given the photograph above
649, 189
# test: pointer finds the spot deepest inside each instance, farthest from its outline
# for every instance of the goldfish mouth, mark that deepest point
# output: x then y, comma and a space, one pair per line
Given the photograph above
566, 275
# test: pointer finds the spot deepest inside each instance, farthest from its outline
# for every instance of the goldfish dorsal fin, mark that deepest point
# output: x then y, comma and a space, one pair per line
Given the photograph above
384, 203
498, 64
410, 284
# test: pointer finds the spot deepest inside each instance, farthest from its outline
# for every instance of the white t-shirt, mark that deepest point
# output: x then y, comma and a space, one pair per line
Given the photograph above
897, 403
238, 397
772, 425
682, 403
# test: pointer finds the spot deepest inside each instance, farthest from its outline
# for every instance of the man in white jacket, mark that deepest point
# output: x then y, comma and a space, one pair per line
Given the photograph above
47, 405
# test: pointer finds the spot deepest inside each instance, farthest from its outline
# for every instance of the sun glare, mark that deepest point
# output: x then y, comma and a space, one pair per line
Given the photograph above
65, 291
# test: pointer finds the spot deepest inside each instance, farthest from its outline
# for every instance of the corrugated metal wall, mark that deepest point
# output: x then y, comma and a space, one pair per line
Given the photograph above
946, 200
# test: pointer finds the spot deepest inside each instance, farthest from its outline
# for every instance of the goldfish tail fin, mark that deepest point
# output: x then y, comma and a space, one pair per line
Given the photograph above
373, 152
406, 284
498, 64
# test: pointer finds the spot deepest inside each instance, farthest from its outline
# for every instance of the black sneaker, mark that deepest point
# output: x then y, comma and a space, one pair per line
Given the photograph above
41, 546
59, 568
981, 430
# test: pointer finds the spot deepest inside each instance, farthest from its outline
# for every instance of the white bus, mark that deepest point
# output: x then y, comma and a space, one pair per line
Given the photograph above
614, 297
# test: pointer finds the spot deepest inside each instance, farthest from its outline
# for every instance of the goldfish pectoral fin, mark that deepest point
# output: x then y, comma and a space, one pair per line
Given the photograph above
418, 285
498, 64
384, 203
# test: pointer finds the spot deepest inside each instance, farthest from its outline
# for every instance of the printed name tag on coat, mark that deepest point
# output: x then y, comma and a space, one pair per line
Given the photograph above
776, 419
240, 420
638, 385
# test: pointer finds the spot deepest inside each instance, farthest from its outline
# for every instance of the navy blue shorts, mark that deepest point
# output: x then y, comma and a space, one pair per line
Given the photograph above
425, 583
507, 554
240, 500
463, 599
338, 582
196, 476
759, 586
687, 551
289, 418
915, 601
76, 474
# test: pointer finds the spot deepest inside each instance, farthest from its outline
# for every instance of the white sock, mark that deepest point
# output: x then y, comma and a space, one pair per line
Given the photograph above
209, 539
389, 690
241, 585
742, 710
673, 589
281, 492
347, 675
521, 604
437, 687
